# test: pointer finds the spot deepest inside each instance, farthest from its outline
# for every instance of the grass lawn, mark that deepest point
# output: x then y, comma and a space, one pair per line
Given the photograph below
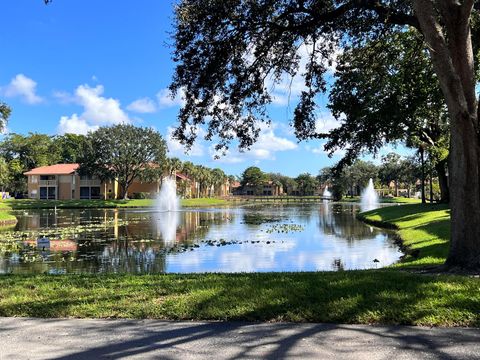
73, 204
5, 217
395, 200
368, 297
424, 229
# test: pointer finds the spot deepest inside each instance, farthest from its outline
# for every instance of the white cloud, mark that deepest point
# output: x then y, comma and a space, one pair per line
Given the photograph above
74, 125
326, 122
267, 145
228, 157
23, 87
144, 105
64, 97
97, 110
320, 150
165, 100
177, 149
289, 87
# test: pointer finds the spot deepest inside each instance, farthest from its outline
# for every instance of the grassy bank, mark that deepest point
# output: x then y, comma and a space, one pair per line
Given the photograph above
394, 200
6, 219
368, 297
80, 204
424, 230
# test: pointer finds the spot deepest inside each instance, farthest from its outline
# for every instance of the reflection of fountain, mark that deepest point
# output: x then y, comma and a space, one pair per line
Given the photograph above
169, 204
369, 197
167, 223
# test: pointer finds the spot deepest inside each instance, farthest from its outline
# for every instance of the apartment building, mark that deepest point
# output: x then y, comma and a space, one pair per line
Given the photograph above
62, 182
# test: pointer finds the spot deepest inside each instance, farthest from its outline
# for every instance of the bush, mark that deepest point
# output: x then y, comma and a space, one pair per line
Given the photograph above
142, 195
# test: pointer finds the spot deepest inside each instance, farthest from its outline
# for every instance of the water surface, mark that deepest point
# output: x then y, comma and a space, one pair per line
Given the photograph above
274, 237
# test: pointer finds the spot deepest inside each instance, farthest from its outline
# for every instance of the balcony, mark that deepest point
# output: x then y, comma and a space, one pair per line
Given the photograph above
48, 182
90, 182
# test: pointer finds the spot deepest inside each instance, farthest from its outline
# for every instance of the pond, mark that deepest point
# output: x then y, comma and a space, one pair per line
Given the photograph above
275, 237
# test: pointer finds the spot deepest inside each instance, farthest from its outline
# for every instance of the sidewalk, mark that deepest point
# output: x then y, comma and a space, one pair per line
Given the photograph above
22, 338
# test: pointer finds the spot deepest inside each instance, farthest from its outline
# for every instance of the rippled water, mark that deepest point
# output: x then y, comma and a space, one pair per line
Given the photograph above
239, 239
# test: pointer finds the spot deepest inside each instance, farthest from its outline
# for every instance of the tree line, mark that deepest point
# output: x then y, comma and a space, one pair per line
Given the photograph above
122, 152
394, 176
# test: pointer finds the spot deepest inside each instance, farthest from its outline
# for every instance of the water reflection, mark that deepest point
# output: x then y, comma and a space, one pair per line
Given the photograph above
257, 238
167, 223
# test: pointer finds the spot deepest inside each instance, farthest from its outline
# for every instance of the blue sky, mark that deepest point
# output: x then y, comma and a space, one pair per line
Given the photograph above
75, 65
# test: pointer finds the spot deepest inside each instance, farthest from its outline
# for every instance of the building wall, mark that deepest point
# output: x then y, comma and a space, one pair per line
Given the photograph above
68, 187
33, 188
65, 187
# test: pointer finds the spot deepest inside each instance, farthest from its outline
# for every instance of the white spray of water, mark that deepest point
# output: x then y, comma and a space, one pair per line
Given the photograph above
167, 199
369, 197
326, 193
167, 206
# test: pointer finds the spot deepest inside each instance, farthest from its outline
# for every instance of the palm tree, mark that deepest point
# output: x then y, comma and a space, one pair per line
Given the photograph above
204, 179
189, 169
218, 179
173, 165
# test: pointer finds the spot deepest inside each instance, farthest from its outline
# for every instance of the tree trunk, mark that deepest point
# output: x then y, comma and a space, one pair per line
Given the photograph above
124, 192
464, 190
422, 159
431, 182
453, 62
443, 181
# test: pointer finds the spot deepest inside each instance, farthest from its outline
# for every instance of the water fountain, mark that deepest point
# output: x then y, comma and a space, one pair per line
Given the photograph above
369, 198
326, 193
167, 198
168, 206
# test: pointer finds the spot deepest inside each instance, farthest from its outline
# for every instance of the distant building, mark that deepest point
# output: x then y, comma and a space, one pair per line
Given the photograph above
269, 188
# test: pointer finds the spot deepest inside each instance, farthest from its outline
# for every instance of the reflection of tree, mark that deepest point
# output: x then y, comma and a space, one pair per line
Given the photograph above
339, 220
129, 242
337, 265
278, 212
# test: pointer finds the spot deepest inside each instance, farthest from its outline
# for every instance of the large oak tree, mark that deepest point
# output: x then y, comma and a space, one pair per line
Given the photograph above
385, 90
124, 153
226, 49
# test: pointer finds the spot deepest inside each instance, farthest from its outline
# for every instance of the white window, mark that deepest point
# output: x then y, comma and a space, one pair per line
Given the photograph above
34, 179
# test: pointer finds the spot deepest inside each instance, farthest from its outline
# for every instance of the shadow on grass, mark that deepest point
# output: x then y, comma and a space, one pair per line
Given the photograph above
404, 213
383, 297
436, 243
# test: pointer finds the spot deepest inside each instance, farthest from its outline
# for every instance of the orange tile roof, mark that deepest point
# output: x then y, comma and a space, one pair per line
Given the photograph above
58, 169
182, 176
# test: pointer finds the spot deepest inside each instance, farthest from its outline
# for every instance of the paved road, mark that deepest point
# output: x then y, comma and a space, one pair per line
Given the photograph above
22, 338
